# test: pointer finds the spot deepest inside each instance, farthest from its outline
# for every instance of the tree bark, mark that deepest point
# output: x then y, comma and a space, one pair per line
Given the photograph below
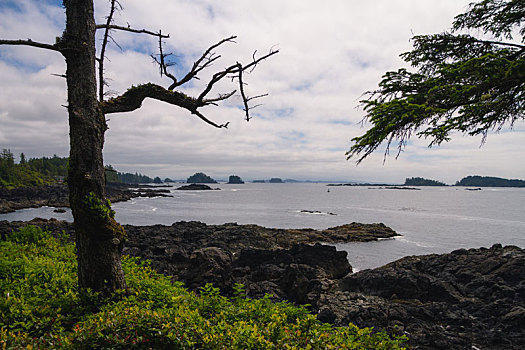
99, 237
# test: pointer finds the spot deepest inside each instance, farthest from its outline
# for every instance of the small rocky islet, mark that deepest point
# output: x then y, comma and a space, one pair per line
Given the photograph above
467, 299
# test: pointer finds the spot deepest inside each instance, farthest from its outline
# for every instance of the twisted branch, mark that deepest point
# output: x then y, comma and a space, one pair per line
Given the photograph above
133, 98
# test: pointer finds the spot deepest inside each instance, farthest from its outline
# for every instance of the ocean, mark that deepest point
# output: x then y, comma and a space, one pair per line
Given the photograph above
429, 220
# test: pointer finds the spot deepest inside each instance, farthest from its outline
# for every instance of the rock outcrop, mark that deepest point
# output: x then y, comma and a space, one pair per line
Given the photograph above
195, 187
58, 195
33, 197
466, 299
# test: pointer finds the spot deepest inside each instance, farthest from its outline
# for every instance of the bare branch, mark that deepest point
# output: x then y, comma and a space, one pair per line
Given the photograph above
129, 29
30, 42
221, 97
243, 94
237, 70
206, 60
162, 64
103, 52
199, 114
258, 96
208, 57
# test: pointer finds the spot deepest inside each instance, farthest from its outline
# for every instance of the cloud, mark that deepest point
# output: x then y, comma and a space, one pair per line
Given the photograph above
330, 53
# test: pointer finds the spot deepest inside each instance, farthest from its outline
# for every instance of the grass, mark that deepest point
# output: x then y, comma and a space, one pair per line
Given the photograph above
41, 308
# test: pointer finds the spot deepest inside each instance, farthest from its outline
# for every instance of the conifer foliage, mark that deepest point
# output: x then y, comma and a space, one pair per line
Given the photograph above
462, 83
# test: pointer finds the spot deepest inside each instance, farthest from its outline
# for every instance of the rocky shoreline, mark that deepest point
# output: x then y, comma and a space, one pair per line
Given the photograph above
58, 195
468, 299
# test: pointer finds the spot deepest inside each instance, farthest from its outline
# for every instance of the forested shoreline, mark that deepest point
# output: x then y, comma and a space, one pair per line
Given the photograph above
30, 172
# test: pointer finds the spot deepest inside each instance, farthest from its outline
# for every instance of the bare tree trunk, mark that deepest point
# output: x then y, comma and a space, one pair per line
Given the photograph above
99, 237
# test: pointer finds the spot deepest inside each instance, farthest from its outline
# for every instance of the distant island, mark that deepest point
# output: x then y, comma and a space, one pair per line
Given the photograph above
469, 181
200, 178
419, 181
276, 180
489, 181
234, 179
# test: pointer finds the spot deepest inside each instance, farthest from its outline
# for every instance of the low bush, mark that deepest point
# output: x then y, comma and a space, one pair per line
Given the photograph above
40, 307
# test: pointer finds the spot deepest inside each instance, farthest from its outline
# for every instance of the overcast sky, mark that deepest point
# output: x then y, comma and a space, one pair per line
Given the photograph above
330, 53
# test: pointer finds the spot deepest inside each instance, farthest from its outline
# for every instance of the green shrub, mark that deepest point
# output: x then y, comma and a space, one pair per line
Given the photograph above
29, 234
40, 307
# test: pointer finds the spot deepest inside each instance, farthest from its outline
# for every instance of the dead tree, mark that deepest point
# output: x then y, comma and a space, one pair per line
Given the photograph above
99, 237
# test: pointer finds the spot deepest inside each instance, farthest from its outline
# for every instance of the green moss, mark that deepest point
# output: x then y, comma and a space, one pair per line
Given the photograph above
98, 208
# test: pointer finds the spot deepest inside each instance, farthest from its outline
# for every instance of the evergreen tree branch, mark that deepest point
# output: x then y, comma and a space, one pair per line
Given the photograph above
462, 83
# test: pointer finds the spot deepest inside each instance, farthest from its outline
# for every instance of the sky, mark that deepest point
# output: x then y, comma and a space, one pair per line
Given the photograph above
330, 53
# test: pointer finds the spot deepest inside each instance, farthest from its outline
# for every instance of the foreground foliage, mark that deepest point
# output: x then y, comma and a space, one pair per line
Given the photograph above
41, 308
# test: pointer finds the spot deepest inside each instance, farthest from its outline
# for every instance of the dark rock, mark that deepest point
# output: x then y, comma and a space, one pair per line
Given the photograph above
299, 274
33, 197
195, 187
58, 196
209, 265
468, 298
399, 188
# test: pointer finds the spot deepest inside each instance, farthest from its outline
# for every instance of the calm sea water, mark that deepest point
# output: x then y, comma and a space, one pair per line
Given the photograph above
431, 220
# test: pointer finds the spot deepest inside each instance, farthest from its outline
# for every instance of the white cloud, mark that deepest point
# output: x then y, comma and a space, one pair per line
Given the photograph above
330, 53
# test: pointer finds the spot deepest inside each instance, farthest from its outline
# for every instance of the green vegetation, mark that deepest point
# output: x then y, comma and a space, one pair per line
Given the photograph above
111, 174
55, 167
40, 307
157, 180
48, 171
462, 83
488, 181
98, 208
200, 178
32, 172
136, 178
419, 181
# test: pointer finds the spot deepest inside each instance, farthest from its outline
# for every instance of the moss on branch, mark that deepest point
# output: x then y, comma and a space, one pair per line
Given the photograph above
132, 99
